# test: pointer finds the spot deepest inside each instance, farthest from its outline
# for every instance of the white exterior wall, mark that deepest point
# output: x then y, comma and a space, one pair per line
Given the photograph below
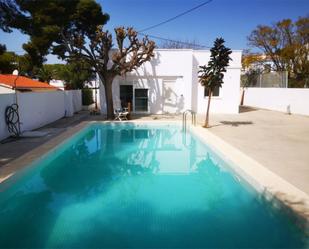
289, 100
180, 65
57, 83
37, 109
76, 100
228, 99
5, 90
5, 100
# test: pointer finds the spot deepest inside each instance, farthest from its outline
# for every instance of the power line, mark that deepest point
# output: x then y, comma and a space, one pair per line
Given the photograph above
175, 17
176, 41
152, 36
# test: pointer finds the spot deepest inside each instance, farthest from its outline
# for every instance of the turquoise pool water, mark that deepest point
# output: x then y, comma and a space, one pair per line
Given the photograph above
129, 186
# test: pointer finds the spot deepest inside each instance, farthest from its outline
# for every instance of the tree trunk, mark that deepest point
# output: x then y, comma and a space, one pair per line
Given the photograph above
206, 125
108, 83
242, 97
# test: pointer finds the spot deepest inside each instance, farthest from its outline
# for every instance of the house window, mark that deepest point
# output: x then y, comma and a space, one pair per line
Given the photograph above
141, 100
215, 92
126, 95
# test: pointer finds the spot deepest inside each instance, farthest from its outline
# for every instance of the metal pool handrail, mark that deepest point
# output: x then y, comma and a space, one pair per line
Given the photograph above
184, 119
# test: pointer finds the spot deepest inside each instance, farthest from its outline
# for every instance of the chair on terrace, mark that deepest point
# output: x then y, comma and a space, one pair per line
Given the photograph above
121, 114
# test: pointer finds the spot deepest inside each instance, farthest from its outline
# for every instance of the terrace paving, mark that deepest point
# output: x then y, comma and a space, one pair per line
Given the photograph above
11, 149
276, 140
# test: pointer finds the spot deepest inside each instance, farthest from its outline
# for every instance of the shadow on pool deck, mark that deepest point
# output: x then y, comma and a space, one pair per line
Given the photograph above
236, 123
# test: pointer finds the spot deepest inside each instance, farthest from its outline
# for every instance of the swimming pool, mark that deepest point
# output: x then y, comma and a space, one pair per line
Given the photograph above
126, 185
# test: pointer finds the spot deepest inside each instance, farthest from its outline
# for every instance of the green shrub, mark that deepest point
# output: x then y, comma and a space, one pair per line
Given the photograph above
87, 97
299, 82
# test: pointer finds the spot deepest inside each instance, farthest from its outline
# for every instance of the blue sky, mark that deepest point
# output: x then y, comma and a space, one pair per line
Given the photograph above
231, 19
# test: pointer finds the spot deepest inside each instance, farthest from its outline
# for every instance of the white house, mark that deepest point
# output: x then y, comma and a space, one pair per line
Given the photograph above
57, 83
169, 84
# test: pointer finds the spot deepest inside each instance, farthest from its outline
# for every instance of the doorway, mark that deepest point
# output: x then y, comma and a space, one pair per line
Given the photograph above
134, 98
126, 96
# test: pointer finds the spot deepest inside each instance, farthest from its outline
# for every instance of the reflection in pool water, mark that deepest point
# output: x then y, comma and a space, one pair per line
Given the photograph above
126, 186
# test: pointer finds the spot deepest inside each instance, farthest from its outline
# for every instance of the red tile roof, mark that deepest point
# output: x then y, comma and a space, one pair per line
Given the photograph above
23, 82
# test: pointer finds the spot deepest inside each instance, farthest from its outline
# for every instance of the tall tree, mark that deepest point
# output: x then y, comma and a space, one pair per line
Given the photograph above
8, 60
211, 76
109, 63
74, 30
46, 22
286, 44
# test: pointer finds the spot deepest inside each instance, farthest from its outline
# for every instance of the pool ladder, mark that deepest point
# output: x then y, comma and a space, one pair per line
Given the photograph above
184, 119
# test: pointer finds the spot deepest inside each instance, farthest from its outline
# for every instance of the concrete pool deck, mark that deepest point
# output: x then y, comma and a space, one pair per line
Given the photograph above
278, 141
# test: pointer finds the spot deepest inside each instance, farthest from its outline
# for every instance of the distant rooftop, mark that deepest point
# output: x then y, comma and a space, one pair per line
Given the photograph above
24, 83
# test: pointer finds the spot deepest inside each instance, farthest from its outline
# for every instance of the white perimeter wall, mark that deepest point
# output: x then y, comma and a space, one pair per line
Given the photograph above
5, 100
77, 100
289, 100
181, 65
37, 109
5, 90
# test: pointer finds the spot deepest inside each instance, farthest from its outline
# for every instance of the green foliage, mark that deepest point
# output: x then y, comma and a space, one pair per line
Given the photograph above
2, 49
211, 76
87, 97
75, 74
8, 61
47, 22
299, 82
45, 73
26, 66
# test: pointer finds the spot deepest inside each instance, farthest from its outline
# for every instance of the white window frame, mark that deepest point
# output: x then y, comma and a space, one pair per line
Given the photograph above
148, 107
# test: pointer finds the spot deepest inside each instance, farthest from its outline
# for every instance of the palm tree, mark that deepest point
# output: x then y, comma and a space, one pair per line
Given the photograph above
211, 76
